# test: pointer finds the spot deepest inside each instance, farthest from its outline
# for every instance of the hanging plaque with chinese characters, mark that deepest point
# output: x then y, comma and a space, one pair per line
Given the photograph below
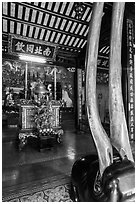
22, 45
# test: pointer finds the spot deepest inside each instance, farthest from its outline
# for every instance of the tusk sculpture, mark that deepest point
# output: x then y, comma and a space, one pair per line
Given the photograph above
118, 128
105, 177
101, 139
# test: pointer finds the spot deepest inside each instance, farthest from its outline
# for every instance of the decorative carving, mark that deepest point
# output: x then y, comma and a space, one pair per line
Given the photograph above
102, 77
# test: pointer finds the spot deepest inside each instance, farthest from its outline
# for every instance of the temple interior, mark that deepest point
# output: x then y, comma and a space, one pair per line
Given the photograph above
45, 127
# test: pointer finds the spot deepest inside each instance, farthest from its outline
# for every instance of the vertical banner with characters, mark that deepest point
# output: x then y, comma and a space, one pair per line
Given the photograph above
79, 85
131, 80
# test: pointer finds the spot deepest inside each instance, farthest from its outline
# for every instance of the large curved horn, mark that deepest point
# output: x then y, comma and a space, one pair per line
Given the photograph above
118, 127
100, 137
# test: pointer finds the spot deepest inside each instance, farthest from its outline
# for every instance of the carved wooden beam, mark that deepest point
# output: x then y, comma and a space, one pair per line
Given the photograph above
119, 132
100, 137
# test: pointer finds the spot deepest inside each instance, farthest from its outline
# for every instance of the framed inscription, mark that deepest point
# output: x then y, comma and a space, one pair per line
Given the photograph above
22, 45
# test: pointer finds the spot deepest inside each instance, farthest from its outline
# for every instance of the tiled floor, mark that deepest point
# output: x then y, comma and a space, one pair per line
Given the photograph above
30, 165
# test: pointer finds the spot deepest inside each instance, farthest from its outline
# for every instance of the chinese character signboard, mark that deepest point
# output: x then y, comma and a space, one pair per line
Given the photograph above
22, 45
131, 82
79, 85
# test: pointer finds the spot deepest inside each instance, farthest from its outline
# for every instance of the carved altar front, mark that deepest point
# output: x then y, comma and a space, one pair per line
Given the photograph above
29, 114
28, 111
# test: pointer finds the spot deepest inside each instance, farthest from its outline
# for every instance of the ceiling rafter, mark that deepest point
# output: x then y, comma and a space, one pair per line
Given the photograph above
42, 26
53, 13
33, 22
55, 22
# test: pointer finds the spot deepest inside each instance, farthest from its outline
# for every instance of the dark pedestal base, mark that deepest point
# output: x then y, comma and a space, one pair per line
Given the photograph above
23, 137
46, 142
43, 142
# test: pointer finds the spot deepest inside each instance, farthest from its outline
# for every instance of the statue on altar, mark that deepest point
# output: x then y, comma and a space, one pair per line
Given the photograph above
9, 98
40, 93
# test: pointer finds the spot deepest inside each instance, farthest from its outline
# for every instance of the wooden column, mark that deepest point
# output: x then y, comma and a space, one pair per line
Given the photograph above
79, 94
26, 79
